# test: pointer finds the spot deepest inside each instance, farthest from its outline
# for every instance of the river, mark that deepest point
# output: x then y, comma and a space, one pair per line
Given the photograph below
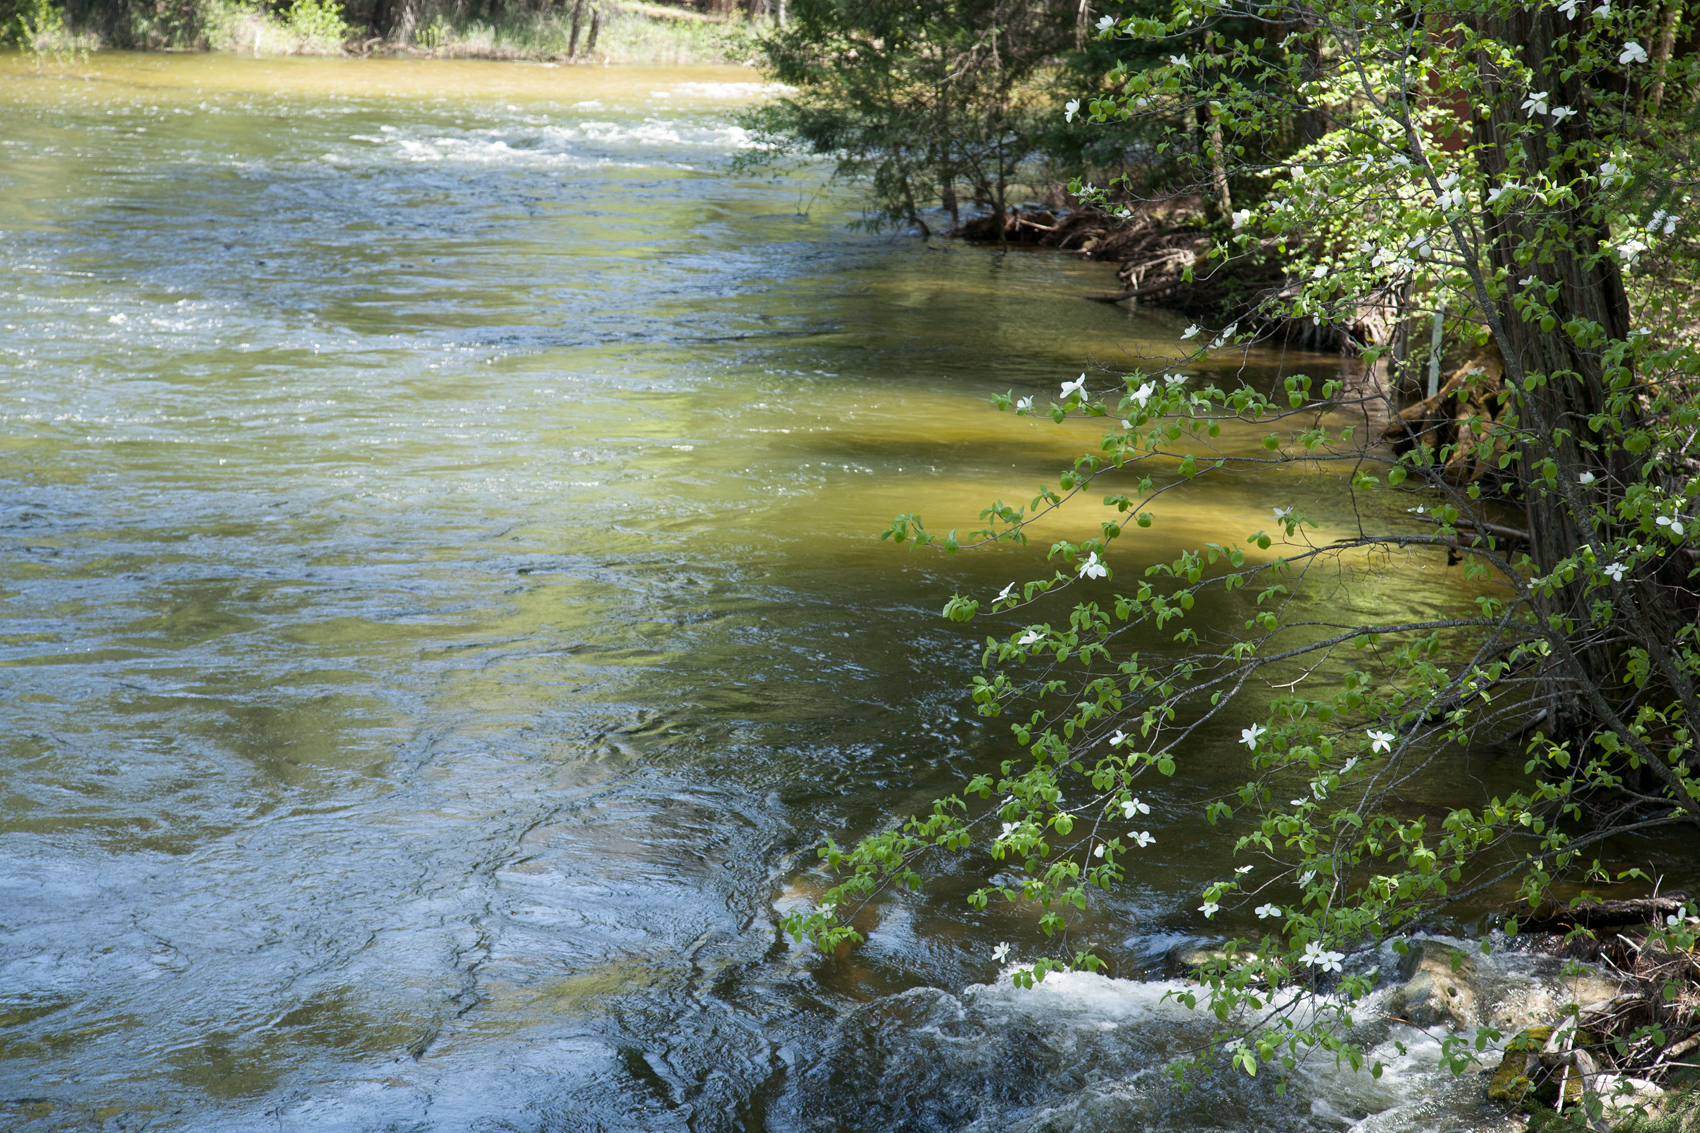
444, 609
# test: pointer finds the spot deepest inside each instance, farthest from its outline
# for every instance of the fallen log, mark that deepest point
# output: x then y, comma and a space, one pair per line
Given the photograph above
1555, 917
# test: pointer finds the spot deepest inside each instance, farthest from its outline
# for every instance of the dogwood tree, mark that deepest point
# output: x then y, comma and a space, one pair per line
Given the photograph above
1518, 176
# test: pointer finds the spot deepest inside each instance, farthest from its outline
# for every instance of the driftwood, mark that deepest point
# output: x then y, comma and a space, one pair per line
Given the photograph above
1457, 421
1160, 253
1559, 918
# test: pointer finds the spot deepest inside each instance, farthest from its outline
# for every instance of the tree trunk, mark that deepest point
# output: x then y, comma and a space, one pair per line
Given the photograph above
1556, 385
1218, 163
595, 30
577, 26
1661, 54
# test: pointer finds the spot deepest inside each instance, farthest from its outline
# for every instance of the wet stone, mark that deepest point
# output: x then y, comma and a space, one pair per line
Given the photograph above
1441, 987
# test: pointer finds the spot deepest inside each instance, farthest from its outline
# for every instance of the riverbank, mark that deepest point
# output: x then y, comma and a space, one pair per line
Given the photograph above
631, 32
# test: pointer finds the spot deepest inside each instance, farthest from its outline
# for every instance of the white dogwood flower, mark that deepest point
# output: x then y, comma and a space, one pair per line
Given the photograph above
1632, 53
1264, 912
1536, 103
1024, 403
1240, 216
1379, 741
1092, 568
1190, 331
1118, 739
1307, 877
1245, 869
1070, 109
1105, 23
1318, 957
1028, 638
1000, 952
1077, 386
1142, 839
1248, 736
1133, 806
1614, 571
1585, 478
1209, 909
1560, 113
1004, 593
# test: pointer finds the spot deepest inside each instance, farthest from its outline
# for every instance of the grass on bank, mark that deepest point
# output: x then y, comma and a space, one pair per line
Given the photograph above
627, 31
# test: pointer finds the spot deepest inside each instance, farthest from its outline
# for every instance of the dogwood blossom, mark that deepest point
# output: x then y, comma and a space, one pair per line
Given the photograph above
1674, 524
1143, 394
1000, 952
1266, 911
1632, 53
1240, 216
1105, 23
1307, 877
1248, 736
1569, 8
1004, 593
1133, 806
1178, 60
1070, 109
1092, 568
1141, 839
1078, 386
1024, 403
1350, 763
1028, 638
1614, 571
1244, 869
1209, 909
1379, 741
1119, 738
1190, 331
1585, 478
1536, 103
1009, 828
1560, 113
1318, 957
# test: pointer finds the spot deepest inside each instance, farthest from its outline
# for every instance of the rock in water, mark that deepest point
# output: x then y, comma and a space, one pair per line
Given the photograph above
1440, 986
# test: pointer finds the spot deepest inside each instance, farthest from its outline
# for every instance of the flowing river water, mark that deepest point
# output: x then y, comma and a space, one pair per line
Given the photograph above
444, 611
